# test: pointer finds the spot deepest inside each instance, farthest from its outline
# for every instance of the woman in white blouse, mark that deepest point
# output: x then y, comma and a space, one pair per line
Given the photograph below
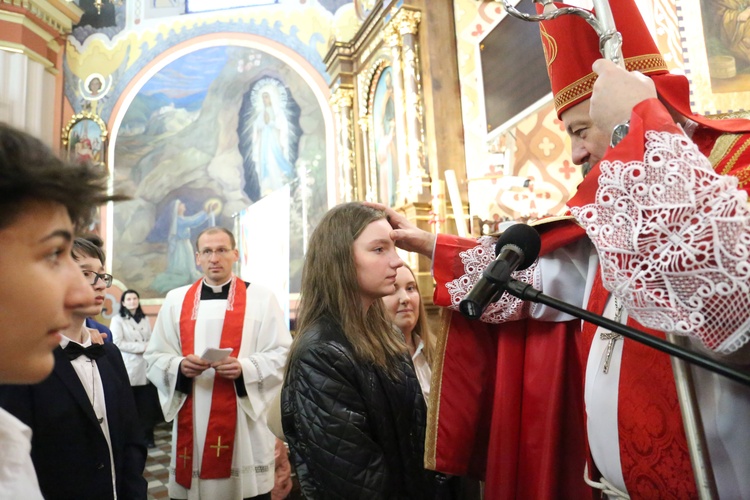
407, 313
131, 331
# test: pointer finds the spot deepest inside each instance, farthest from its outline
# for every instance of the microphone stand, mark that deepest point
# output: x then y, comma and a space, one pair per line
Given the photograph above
526, 292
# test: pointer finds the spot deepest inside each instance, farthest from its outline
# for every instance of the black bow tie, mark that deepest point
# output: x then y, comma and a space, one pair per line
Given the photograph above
73, 350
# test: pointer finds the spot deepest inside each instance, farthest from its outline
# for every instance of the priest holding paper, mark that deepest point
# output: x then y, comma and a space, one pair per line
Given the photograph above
216, 356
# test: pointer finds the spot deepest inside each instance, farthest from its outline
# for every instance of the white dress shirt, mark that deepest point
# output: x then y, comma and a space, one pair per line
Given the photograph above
17, 474
421, 368
91, 381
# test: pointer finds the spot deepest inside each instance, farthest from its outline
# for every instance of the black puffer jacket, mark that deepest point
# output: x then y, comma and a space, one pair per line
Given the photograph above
353, 432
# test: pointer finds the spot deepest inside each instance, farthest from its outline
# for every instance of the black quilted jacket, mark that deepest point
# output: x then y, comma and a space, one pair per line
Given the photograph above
353, 432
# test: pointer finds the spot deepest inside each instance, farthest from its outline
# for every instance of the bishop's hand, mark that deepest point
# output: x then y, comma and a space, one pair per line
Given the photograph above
406, 235
616, 92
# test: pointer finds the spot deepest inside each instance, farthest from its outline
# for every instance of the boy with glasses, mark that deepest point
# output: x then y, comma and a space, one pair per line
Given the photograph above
86, 441
91, 323
42, 201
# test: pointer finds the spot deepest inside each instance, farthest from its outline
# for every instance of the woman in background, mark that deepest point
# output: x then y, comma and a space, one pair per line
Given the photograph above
352, 409
131, 332
406, 310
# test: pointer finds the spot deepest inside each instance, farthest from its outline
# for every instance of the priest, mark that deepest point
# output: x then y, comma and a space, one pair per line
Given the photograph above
216, 356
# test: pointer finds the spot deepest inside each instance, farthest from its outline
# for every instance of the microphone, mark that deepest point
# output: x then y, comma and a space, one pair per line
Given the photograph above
517, 248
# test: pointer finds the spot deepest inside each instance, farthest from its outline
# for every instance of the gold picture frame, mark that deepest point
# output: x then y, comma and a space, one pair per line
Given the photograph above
84, 138
384, 157
716, 88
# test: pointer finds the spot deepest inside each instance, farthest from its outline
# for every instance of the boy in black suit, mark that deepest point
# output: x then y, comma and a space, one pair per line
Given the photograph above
42, 201
86, 441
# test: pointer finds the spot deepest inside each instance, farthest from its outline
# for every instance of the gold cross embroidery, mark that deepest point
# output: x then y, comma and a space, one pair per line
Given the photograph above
218, 447
185, 457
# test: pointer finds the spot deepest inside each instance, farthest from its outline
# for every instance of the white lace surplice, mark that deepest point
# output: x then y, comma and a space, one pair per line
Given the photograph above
674, 242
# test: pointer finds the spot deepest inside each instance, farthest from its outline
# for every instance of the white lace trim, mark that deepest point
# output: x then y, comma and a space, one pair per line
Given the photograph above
673, 237
475, 261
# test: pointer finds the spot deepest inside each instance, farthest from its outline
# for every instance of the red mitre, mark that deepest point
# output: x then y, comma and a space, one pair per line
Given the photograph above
571, 46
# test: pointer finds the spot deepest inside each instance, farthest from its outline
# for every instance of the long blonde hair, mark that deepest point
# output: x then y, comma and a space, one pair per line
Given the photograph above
421, 327
330, 288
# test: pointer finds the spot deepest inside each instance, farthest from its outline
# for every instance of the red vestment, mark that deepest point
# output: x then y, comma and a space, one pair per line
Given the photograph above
508, 405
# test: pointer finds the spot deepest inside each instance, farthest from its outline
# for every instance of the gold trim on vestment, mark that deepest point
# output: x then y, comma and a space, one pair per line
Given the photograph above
725, 143
646, 64
436, 381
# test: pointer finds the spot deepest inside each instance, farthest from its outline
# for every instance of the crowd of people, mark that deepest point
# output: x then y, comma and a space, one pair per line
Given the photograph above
529, 399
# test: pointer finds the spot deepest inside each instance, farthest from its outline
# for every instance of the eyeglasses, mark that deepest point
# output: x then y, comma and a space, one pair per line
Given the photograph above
220, 252
93, 277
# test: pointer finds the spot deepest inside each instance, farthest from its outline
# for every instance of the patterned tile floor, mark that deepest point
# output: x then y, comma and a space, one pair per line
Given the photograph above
157, 463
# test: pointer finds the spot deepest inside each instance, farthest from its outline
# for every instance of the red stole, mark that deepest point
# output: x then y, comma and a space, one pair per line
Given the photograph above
222, 422
653, 449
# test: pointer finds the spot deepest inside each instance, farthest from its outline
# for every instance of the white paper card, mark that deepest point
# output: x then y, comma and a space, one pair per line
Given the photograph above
213, 355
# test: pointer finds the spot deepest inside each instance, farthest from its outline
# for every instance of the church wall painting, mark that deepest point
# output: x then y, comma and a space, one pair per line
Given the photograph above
84, 138
727, 33
208, 133
715, 44
385, 151
537, 150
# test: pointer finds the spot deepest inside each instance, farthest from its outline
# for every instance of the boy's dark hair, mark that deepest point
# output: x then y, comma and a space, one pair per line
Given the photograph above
83, 247
29, 170
93, 238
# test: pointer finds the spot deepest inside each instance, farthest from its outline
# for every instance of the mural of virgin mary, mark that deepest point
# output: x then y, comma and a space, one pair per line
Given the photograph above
272, 127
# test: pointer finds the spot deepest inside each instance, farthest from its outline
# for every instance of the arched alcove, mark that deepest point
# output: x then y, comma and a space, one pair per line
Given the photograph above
179, 149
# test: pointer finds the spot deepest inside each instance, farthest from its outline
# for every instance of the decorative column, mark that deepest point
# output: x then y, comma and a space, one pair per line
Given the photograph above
31, 64
392, 39
341, 102
439, 210
407, 22
370, 171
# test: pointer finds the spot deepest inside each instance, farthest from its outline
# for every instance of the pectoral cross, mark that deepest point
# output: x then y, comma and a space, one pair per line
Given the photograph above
184, 457
218, 447
611, 337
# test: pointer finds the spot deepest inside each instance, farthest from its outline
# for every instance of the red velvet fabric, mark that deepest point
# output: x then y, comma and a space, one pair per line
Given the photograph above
571, 46
510, 399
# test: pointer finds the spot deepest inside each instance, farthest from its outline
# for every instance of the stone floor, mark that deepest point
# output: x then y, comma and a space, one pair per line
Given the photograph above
157, 463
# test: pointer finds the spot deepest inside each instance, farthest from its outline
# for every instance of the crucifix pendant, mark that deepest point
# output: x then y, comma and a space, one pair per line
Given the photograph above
612, 338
